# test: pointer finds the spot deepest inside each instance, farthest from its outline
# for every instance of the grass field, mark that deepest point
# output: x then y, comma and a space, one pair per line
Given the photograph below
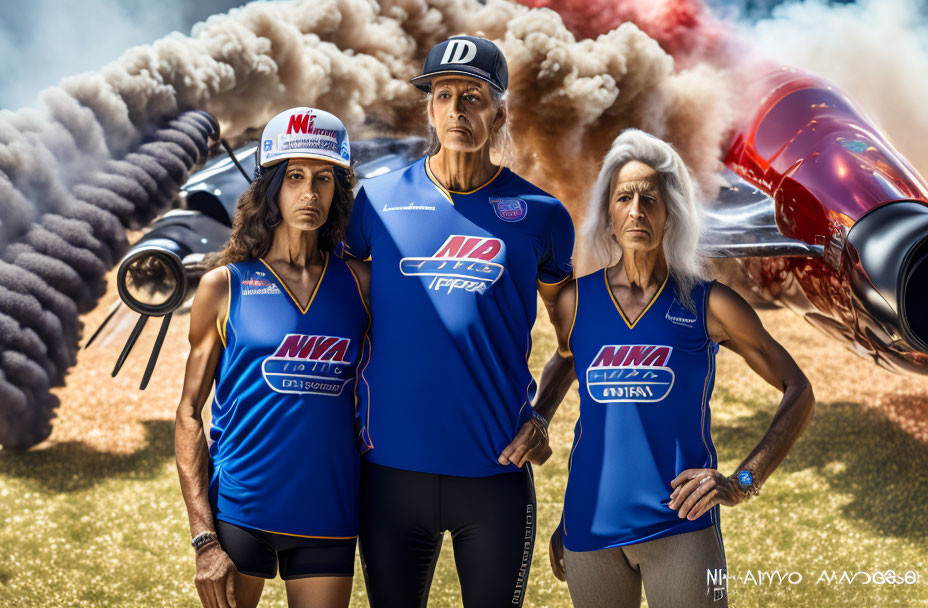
94, 516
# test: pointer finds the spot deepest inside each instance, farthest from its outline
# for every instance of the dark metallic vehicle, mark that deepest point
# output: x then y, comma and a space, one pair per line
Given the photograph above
822, 213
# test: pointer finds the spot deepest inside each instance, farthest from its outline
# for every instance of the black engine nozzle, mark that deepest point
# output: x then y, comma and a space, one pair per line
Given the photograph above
888, 253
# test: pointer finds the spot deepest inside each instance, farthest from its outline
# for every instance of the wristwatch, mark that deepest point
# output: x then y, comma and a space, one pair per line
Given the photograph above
541, 418
202, 539
540, 423
744, 479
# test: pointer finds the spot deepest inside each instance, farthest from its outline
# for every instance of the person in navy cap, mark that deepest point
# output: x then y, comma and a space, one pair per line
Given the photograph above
459, 248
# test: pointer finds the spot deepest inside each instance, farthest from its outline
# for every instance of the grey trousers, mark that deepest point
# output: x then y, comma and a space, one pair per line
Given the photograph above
673, 570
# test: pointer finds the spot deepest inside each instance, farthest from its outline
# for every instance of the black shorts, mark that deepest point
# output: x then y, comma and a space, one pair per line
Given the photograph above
257, 553
404, 515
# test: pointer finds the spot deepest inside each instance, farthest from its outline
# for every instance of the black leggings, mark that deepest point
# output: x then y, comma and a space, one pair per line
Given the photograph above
403, 517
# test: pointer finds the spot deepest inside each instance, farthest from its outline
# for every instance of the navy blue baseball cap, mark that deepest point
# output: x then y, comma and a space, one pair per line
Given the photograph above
466, 56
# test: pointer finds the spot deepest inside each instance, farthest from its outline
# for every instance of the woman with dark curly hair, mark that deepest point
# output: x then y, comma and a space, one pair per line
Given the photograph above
280, 327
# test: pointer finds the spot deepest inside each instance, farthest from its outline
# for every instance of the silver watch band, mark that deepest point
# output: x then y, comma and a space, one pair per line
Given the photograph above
202, 539
541, 418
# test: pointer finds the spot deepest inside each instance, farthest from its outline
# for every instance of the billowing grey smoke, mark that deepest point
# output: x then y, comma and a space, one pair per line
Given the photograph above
53, 261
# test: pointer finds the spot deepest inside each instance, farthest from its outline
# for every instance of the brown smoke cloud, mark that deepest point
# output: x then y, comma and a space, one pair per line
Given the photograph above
571, 98
75, 175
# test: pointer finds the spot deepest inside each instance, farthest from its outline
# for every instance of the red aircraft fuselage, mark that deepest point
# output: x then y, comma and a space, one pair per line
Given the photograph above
839, 185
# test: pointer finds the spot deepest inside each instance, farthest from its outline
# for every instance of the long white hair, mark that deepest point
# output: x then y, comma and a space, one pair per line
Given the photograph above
685, 261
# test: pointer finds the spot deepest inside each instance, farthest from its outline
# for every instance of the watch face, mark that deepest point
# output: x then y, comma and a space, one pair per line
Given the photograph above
745, 479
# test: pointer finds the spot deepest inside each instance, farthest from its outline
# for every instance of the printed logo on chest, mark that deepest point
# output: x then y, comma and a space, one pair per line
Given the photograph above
680, 315
307, 364
461, 263
258, 287
630, 374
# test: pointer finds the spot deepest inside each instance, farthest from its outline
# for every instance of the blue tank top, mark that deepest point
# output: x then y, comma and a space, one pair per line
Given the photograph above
453, 296
284, 455
644, 415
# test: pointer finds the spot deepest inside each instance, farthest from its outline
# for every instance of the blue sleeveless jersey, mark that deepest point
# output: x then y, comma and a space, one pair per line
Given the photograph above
644, 415
284, 456
453, 296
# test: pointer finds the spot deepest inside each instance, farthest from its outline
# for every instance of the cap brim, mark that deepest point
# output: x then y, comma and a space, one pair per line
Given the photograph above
340, 162
423, 82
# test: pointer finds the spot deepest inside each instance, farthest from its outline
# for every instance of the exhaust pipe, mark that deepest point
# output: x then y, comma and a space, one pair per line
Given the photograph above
153, 277
887, 252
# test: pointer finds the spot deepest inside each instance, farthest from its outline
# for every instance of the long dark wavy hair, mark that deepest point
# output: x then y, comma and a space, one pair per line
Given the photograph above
257, 214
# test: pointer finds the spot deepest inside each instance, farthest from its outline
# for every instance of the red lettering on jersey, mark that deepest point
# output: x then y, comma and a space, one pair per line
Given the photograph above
658, 357
291, 346
471, 247
322, 345
487, 250
300, 123
451, 248
307, 347
641, 355
619, 356
468, 247
637, 355
338, 352
605, 357
314, 348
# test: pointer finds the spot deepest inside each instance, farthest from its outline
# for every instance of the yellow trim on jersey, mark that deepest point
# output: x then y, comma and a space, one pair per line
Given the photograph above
306, 535
569, 276
437, 184
360, 293
312, 297
448, 193
223, 320
347, 249
619, 308
484, 185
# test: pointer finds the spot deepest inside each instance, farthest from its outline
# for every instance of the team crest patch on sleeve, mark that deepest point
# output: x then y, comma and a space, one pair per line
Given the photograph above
509, 209
630, 373
308, 364
462, 262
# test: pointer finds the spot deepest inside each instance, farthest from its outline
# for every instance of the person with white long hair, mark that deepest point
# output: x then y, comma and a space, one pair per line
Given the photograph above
641, 334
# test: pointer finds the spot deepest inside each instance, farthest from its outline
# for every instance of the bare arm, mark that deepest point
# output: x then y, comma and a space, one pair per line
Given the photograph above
733, 323
558, 373
531, 442
556, 378
190, 446
214, 569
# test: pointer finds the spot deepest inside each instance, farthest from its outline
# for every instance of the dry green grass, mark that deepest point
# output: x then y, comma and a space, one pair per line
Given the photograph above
95, 517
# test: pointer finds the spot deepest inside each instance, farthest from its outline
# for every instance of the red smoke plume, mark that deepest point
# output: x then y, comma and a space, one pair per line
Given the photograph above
685, 29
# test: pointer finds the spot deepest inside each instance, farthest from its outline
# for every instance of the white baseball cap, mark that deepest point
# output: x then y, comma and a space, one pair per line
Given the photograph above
304, 133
